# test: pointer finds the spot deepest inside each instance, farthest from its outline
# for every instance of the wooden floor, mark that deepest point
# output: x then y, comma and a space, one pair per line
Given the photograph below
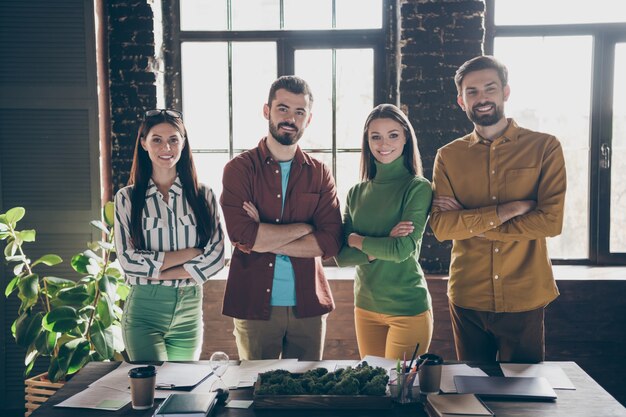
586, 324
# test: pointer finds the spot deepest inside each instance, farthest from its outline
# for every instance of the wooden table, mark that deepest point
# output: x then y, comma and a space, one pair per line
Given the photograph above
589, 399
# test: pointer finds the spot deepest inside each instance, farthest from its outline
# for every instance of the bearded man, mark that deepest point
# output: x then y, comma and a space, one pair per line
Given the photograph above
282, 215
499, 193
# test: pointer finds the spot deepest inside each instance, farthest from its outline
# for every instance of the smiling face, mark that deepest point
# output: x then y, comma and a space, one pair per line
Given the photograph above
288, 116
386, 140
482, 97
164, 145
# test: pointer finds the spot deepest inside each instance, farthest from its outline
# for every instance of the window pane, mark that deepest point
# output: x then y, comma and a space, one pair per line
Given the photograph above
203, 15
355, 94
540, 12
315, 66
554, 97
618, 155
256, 14
369, 14
205, 94
348, 169
210, 167
254, 70
306, 14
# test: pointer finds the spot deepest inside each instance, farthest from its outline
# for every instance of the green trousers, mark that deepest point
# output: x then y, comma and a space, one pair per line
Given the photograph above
163, 323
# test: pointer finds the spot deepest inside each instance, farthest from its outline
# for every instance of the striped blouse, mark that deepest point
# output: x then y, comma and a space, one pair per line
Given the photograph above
166, 227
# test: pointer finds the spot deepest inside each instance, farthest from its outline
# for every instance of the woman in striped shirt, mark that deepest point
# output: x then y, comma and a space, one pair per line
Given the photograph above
169, 242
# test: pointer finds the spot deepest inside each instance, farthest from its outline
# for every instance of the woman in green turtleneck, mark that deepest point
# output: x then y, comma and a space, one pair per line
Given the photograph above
384, 220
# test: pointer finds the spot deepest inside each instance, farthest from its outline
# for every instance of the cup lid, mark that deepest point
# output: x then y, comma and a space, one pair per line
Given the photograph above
142, 372
430, 359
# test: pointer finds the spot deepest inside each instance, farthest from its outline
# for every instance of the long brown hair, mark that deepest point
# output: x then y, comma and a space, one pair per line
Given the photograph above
141, 172
411, 153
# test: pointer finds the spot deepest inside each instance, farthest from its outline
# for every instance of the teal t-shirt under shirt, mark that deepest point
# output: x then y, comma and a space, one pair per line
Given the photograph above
284, 285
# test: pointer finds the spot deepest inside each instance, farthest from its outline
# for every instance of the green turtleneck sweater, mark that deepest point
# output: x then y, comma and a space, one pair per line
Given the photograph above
393, 283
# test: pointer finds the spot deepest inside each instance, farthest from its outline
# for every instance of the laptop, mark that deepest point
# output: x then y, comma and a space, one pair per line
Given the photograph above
531, 388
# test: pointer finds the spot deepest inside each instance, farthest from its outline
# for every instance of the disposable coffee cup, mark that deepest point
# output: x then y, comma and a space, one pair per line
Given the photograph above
429, 373
142, 383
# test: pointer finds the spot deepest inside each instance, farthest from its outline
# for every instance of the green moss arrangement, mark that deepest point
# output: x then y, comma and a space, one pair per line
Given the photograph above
360, 380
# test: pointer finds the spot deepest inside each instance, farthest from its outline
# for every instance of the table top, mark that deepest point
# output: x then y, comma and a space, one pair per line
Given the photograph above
589, 399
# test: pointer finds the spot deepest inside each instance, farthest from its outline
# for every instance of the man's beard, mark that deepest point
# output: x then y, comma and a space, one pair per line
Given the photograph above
286, 138
487, 119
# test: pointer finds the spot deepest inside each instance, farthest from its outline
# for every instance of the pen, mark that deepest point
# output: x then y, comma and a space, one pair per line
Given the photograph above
414, 354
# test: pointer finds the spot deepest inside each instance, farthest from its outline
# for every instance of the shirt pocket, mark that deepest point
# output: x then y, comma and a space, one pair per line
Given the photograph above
305, 206
187, 220
150, 223
521, 184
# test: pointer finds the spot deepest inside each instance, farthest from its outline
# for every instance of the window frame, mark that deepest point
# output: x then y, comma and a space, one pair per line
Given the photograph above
605, 36
383, 41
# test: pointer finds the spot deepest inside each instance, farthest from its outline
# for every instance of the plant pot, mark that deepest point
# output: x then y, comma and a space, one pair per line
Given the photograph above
38, 390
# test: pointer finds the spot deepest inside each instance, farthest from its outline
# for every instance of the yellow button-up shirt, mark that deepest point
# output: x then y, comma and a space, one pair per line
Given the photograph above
495, 266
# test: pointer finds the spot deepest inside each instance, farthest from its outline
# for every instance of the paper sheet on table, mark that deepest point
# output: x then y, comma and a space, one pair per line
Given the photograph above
246, 373
177, 374
449, 371
382, 362
553, 373
98, 397
300, 367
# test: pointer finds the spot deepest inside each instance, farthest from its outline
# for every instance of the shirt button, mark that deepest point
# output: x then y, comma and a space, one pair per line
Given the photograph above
267, 290
277, 171
497, 276
277, 220
271, 264
496, 250
493, 147
471, 231
277, 195
490, 223
493, 171
493, 197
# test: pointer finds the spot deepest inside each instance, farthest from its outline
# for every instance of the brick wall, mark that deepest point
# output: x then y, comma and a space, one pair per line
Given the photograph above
436, 38
131, 48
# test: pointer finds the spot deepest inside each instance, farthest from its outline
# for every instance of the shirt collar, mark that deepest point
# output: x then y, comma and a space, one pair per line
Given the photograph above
300, 157
511, 133
176, 189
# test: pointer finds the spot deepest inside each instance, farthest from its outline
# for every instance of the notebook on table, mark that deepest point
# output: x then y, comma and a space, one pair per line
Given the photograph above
187, 405
532, 388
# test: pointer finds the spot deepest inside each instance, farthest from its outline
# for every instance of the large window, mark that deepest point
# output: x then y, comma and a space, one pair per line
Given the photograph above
226, 53
566, 69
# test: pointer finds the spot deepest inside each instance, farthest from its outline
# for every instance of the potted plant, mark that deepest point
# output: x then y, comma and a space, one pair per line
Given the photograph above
72, 321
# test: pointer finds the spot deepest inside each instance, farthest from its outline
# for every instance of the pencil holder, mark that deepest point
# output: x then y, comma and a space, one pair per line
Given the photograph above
402, 388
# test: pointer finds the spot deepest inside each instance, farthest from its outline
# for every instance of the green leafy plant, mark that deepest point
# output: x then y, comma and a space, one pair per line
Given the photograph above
73, 321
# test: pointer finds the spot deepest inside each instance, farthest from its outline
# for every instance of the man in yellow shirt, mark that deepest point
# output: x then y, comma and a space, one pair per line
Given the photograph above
498, 193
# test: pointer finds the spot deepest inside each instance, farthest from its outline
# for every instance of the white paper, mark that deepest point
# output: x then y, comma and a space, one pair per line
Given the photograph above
552, 372
449, 371
300, 367
98, 397
250, 370
182, 374
382, 362
177, 374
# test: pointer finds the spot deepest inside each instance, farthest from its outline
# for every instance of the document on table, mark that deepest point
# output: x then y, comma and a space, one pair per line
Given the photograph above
449, 371
245, 375
248, 371
552, 372
98, 397
172, 375
381, 362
